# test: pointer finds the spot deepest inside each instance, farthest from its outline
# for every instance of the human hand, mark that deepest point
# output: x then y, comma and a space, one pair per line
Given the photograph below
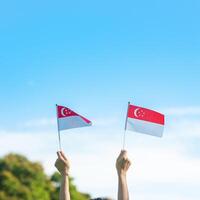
62, 164
122, 163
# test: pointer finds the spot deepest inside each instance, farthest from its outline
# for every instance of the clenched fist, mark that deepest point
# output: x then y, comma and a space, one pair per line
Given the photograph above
122, 163
62, 164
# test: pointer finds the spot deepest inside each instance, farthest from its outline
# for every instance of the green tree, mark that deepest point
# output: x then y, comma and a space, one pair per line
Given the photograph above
74, 193
21, 179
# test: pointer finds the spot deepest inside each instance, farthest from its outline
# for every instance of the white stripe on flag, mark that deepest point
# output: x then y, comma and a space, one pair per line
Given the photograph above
145, 127
71, 122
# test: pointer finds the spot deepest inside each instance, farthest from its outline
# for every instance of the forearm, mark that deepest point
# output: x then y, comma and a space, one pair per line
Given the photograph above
122, 188
64, 189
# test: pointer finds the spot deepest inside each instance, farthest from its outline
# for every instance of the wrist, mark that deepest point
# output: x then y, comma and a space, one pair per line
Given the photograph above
64, 174
121, 174
64, 178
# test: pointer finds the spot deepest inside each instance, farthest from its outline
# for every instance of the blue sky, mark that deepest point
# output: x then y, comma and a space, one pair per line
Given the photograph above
95, 56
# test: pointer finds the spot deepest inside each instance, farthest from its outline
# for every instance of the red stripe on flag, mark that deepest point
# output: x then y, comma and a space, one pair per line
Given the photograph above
145, 114
66, 112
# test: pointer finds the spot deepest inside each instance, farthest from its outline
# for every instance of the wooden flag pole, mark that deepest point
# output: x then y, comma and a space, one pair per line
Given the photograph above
124, 136
59, 139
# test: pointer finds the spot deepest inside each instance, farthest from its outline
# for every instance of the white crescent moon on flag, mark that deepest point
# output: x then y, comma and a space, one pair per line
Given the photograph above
62, 112
135, 112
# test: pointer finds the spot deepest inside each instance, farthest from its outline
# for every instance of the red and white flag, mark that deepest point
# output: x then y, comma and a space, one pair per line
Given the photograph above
69, 119
145, 121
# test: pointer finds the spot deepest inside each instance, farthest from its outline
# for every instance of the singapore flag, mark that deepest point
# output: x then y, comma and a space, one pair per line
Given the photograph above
69, 119
145, 121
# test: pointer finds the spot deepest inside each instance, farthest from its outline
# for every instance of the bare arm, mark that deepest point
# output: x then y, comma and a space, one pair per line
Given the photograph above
122, 165
62, 164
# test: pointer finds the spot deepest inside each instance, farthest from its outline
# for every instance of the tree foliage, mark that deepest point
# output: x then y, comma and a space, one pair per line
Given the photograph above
21, 179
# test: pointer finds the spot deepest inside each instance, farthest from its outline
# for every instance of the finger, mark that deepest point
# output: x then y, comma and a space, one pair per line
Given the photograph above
129, 163
122, 153
127, 160
124, 159
63, 155
63, 159
60, 156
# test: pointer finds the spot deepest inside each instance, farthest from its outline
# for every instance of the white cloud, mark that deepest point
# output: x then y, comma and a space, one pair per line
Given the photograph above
43, 122
182, 111
161, 168
105, 121
186, 128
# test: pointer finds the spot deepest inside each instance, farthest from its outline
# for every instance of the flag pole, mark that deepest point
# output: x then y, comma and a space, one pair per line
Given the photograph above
124, 136
59, 139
